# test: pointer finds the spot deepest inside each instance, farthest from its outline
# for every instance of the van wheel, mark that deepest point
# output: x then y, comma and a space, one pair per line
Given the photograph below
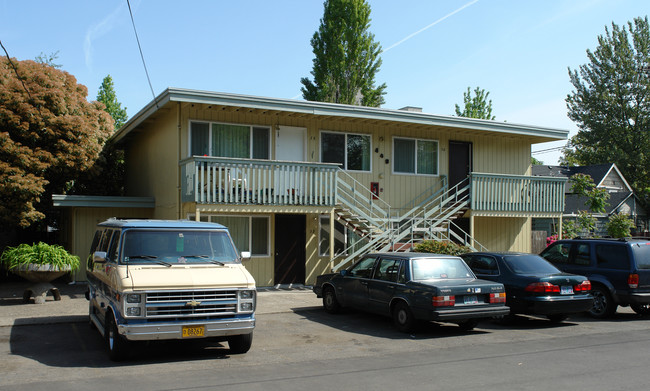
641, 309
604, 305
118, 346
240, 344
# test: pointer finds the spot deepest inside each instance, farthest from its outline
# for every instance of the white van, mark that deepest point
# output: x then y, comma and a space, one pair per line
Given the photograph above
157, 280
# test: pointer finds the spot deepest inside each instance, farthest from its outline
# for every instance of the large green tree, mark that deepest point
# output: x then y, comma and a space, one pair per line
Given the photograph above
610, 104
346, 57
49, 135
107, 96
477, 106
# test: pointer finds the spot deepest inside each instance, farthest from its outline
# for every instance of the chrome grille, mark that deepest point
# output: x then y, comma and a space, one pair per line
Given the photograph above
203, 303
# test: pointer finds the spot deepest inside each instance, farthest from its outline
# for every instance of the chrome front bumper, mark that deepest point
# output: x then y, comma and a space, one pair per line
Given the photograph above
160, 331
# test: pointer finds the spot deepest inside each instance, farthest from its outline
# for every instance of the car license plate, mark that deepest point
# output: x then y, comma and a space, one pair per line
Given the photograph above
566, 290
193, 331
471, 299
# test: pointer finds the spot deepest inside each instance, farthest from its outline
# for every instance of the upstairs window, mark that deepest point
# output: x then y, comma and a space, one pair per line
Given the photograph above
228, 140
414, 156
350, 151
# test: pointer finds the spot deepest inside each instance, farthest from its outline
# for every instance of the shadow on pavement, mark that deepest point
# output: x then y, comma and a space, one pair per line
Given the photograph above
78, 344
381, 326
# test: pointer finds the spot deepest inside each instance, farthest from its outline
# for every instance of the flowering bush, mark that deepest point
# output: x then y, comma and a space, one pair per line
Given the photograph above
551, 239
440, 247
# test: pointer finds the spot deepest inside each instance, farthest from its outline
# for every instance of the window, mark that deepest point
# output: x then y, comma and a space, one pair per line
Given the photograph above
612, 256
351, 151
363, 268
482, 264
343, 238
413, 156
250, 233
387, 270
228, 140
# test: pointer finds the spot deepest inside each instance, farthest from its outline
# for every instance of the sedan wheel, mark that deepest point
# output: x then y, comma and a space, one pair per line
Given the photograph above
557, 318
330, 303
403, 317
604, 305
641, 309
468, 325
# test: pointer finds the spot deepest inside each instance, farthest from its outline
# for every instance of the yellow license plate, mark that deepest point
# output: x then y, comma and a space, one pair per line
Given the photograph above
193, 331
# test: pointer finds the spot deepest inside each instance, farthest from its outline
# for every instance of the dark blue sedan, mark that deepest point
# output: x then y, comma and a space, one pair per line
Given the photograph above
533, 285
413, 286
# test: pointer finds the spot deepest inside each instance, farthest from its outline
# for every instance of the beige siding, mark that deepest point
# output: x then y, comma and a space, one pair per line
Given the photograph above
153, 169
503, 233
84, 223
157, 146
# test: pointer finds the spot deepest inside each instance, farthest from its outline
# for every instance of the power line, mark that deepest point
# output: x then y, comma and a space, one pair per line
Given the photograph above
16, 72
141, 55
548, 150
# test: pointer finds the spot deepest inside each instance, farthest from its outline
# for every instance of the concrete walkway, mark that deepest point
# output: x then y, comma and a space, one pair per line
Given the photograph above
73, 306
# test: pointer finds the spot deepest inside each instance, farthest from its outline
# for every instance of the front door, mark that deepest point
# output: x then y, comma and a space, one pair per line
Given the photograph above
290, 241
289, 147
460, 161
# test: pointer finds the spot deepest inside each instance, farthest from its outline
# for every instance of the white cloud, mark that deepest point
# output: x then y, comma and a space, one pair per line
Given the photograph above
98, 30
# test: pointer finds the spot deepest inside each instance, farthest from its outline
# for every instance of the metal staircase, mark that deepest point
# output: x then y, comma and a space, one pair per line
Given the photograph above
370, 218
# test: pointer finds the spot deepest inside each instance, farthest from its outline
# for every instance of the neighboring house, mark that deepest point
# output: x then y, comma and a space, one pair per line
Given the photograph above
290, 177
605, 176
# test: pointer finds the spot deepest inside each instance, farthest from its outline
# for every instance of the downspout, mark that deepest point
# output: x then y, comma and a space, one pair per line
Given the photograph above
178, 159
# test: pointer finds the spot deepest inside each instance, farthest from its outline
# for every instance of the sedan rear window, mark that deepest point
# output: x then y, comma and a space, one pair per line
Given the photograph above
529, 264
437, 268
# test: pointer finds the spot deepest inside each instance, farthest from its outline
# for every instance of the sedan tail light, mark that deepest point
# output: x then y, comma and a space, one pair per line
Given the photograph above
444, 301
584, 286
633, 280
542, 287
497, 298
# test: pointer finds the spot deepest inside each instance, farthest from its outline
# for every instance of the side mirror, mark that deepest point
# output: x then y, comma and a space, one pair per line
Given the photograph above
99, 257
245, 254
344, 273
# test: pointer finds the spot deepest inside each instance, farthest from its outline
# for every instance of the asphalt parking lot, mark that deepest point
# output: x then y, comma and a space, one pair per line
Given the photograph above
51, 346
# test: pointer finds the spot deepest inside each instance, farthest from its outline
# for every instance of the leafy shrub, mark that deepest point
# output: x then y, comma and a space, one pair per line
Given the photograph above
440, 247
38, 254
619, 225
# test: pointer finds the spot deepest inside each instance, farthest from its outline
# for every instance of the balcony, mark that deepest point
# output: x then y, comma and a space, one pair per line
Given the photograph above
517, 195
215, 180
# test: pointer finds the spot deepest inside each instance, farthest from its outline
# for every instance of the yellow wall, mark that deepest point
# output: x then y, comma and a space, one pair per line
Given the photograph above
503, 233
83, 223
153, 154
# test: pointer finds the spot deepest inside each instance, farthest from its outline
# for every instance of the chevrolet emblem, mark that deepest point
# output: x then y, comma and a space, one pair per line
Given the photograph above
193, 303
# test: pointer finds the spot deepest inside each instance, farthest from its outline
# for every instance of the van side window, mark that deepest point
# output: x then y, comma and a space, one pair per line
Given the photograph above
612, 256
93, 247
112, 252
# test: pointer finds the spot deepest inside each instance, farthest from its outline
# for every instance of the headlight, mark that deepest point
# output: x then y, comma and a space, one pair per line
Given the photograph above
133, 311
246, 306
245, 295
133, 298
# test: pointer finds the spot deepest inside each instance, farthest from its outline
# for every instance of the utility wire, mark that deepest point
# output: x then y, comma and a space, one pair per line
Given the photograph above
16, 71
142, 55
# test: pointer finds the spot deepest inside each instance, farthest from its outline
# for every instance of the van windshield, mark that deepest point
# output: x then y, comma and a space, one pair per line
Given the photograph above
176, 247
642, 255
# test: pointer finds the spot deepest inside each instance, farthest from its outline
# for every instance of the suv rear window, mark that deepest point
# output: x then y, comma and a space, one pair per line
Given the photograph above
612, 256
641, 255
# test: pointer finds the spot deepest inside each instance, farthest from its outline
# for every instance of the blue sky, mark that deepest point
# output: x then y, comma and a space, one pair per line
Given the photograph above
519, 51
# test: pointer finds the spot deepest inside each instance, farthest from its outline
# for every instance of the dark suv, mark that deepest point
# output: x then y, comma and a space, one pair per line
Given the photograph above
619, 271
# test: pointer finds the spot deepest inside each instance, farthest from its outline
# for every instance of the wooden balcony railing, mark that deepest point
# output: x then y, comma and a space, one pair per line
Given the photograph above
517, 193
213, 180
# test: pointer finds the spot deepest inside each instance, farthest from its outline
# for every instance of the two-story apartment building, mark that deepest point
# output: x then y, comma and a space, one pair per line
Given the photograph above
306, 186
